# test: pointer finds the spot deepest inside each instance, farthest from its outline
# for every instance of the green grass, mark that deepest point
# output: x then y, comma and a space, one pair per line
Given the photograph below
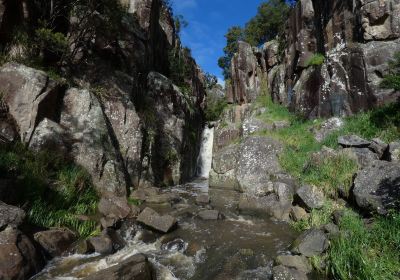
275, 112
366, 252
54, 193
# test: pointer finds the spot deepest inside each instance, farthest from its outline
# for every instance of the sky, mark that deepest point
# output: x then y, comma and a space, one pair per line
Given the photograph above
208, 22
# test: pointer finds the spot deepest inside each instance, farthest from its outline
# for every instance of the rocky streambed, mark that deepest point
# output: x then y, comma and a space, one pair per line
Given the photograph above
210, 241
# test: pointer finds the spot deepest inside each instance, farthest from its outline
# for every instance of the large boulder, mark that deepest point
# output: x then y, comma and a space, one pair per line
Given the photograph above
18, 257
152, 219
30, 96
298, 262
114, 207
10, 216
257, 161
348, 141
91, 145
55, 241
48, 135
394, 151
135, 267
223, 171
310, 197
377, 187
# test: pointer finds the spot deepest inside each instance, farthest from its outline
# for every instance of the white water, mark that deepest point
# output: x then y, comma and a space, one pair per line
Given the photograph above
206, 150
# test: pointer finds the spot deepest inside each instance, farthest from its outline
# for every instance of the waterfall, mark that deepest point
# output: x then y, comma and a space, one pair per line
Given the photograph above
205, 157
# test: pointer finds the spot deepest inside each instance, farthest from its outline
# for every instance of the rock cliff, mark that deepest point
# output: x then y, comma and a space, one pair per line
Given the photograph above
355, 39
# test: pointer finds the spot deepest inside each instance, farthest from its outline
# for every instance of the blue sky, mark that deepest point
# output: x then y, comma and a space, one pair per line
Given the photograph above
208, 22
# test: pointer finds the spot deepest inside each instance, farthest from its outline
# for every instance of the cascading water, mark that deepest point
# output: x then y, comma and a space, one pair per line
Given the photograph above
205, 157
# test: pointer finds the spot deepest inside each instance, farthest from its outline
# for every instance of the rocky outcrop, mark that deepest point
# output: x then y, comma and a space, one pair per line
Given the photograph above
354, 39
10, 216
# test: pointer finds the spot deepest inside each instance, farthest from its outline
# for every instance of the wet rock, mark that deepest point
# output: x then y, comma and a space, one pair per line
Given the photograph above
135, 267
10, 216
363, 156
257, 160
249, 204
102, 244
117, 241
202, 199
223, 172
152, 219
285, 273
378, 147
114, 207
310, 197
18, 257
300, 263
298, 214
326, 128
253, 125
353, 141
81, 247
377, 187
394, 152
210, 215
163, 198
55, 241
176, 245
312, 242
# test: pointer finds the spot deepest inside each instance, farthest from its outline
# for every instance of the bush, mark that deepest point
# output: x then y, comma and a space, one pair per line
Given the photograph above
392, 81
316, 60
215, 107
54, 42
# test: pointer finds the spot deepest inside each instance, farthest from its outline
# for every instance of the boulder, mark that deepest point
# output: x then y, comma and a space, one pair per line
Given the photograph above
377, 187
285, 192
202, 199
135, 267
349, 141
326, 128
300, 263
298, 214
210, 215
48, 135
331, 230
310, 197
253, 205
257, 161
55, 241
114, 207
286, 273
30, 96
311, 243
152, 219
18, 257
223, 172
394, 152
102, 244
10, 216
363, 156
378, 147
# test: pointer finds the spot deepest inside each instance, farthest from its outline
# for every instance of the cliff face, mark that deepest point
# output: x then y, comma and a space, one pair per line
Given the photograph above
119, 116
357, 38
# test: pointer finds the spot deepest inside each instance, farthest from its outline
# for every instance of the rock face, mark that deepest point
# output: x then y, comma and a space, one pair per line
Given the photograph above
356, 39
377, 187
10, 216
18, 257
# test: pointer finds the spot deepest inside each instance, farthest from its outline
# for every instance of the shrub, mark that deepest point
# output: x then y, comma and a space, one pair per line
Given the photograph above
392, 80
54, 42
215, 107
316, 60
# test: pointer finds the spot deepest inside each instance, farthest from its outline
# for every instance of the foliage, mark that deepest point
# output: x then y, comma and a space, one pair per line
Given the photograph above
54, 42
316, 60
215, 107
392, 80
180, 23
366, 252
179, 67
55, 193
268, 23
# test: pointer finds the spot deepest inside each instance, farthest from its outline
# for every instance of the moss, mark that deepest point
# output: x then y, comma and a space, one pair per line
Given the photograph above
316, 60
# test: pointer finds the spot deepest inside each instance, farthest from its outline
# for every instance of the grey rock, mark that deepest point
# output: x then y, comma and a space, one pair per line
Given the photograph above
311, 243
257, 161
298, 214
285, 192
331, 230
10, 216
394, 151
135, 267
223, 172
300, 263
281, 124
310, 197
253, 125
202, 199
18, 257
353, 141
363, 156
337, 216
102, 244
253, 205
377, 187
48, 135
210, 215
379, 147
285, 273
114, 207
152, 219
328, 127
55, 241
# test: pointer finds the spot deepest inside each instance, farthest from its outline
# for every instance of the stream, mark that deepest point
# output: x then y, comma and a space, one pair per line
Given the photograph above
236, 247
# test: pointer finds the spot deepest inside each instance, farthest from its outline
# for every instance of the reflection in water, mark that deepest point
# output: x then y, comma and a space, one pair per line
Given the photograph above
238, 247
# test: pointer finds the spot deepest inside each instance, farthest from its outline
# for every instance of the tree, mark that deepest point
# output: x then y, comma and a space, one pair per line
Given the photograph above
180, 23
233, 36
